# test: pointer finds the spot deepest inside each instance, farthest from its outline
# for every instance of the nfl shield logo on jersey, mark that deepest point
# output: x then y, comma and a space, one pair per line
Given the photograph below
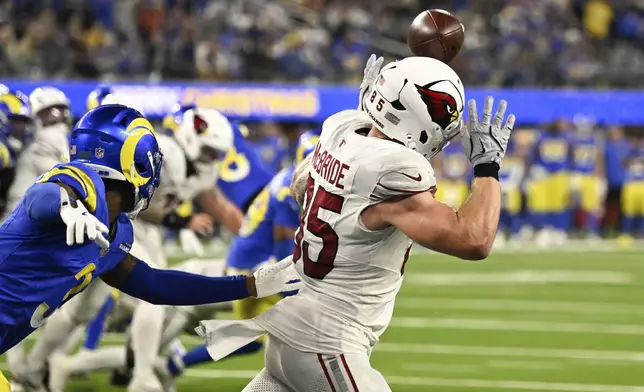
99, 152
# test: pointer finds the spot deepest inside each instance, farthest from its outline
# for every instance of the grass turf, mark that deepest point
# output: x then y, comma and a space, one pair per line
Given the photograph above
554, 321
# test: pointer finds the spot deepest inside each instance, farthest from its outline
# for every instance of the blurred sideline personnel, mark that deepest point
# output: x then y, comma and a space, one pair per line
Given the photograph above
113, 173
588, 173
453, 170
511, 176
53, 122
266, 235
548, 190
633, 195
15, 130
367, 196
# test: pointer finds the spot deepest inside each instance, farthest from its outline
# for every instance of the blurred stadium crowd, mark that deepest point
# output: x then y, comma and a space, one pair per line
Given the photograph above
509, 42
564, 175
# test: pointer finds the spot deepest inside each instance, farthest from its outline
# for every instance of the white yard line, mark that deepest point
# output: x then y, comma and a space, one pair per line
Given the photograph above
519, 277
580, 307
515, 325
446, 382
519, 352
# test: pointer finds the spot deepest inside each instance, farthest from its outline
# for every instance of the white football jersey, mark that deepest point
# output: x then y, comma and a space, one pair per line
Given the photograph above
49, 148
351, 274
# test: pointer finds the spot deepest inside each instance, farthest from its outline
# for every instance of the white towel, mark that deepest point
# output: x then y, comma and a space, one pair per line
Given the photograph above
223, 337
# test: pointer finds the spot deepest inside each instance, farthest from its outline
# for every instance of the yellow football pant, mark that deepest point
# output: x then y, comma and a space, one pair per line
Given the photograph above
633, 199
589, 192
4, 384
550, 194
511, 200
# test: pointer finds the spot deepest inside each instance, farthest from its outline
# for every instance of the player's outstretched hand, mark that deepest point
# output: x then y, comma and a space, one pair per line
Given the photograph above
80, 223
371, 71
486, 140
275, 278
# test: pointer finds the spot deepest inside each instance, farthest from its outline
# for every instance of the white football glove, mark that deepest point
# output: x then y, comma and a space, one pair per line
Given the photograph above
371, 71
80, 222
486, 141
276, 278
190, 243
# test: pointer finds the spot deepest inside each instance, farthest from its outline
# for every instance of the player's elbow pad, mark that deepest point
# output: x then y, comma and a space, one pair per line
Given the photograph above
42, 201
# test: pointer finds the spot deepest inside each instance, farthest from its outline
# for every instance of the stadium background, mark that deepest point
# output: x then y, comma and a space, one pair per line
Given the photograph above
561, 318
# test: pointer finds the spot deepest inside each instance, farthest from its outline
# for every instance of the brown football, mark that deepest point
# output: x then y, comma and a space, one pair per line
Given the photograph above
436, 34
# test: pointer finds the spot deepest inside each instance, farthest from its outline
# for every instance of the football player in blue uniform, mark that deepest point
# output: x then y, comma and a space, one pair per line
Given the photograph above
632, 202
266, 235
548, 190
15, 127
45, 258
588, 173
101, 95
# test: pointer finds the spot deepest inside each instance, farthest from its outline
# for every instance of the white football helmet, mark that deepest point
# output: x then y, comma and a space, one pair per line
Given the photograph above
202, 133
419, 102
50, 106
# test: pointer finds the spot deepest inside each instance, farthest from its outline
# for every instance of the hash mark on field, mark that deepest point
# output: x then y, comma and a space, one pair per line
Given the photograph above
522, 352
446, 382
519, 305
520, 277
513, 325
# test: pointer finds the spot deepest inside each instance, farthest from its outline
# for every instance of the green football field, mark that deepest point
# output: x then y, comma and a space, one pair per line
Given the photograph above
546, 321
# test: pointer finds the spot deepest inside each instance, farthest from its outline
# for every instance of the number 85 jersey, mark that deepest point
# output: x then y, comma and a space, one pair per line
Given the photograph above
351, 274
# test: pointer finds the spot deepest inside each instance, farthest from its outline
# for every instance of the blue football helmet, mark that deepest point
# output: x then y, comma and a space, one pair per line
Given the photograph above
306, 145
119, 143
15, 118
97, 96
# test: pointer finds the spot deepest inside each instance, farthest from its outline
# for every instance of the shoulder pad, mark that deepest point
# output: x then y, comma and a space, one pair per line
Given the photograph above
78, 177
404, 173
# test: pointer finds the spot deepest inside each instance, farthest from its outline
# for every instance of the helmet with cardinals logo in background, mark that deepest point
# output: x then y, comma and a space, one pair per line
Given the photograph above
419, 102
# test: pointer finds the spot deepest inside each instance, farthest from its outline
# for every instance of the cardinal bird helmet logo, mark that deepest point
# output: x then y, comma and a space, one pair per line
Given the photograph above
441, 106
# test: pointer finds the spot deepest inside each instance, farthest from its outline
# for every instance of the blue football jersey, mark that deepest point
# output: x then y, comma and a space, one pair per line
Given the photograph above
586, 151
38, 271
552, 152
242, 174
274, 206
274, 152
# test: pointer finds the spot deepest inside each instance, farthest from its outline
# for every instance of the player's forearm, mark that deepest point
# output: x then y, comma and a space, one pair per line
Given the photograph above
154, 214
300, 177
168, 287
215, 204
479, 215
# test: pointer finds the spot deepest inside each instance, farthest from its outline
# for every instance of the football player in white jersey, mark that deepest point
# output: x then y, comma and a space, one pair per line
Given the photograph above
367, 199
53, 122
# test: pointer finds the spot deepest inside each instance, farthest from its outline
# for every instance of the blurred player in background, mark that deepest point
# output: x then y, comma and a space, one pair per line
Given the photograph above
53, 122
511, 177
633, 194
272, 147
15, 131
548, 190
616, 148
453, 170
266, 235
588, 173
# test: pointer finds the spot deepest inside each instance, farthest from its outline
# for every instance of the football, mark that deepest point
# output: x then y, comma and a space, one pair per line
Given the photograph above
436, 34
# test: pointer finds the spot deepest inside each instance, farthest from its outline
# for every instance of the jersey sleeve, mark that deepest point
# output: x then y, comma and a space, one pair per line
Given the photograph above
120, 245
77, 179
403, 173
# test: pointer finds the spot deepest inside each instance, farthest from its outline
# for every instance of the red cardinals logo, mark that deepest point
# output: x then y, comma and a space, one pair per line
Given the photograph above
200, 124
440, 106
